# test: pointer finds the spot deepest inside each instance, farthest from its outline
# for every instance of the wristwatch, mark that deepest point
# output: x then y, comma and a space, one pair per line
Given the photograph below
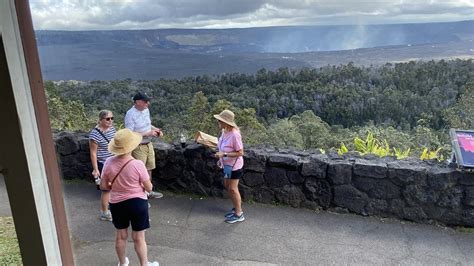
225, 154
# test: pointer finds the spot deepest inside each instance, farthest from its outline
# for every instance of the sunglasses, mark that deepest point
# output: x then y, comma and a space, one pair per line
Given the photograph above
109, 118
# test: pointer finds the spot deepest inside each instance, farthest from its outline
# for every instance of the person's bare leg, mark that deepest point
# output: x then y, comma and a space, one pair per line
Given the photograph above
235, 195
226, 184
227, 187
140, 246
121, 244
104, 200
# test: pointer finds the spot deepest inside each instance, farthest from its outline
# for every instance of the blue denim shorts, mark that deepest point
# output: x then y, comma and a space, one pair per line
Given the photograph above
237, 174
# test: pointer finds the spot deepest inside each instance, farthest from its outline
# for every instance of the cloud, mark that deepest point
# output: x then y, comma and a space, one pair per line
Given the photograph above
149, 14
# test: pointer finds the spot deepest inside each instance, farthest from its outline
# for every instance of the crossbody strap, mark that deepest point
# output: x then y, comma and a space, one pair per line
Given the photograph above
236, 158
100, 132
113, 180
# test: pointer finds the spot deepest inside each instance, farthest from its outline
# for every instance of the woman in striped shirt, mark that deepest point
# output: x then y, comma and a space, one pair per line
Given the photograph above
99, 139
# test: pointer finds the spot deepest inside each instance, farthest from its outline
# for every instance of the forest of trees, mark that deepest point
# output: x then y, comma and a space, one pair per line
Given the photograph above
410, 105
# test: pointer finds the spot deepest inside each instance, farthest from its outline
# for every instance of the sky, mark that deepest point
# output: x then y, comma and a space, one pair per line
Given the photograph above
215, 14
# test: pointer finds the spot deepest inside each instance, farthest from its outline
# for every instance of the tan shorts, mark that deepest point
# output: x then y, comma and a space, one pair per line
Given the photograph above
146, 154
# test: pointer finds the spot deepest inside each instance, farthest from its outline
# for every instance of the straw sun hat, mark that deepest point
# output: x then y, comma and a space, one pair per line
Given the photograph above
227, 117
124, 141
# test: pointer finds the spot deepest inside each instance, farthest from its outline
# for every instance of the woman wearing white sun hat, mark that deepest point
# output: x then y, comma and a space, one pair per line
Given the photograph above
127, 179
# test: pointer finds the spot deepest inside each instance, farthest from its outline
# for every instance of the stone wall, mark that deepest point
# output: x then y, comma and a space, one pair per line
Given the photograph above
406, 189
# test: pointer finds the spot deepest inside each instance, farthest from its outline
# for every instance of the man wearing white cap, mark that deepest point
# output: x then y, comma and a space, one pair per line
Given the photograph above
138, 120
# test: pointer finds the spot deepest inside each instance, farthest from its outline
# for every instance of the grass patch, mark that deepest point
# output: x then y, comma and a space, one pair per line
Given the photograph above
9, 249
250, 200
463, 229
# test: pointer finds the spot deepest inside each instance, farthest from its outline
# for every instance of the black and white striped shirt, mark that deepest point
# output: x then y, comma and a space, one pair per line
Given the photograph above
102, 143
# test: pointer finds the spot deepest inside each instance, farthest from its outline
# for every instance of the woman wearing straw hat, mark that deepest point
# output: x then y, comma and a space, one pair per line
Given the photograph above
127, 179
230, 158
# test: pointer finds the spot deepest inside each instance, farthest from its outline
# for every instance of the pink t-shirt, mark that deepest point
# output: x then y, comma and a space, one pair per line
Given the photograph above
231, 142
128, 183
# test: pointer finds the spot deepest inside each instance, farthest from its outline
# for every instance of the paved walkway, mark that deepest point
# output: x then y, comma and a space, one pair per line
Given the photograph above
190, 230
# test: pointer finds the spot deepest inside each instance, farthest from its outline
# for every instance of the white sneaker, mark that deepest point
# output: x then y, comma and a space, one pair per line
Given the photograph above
105, 216
126, 262
155, 263
155, 195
